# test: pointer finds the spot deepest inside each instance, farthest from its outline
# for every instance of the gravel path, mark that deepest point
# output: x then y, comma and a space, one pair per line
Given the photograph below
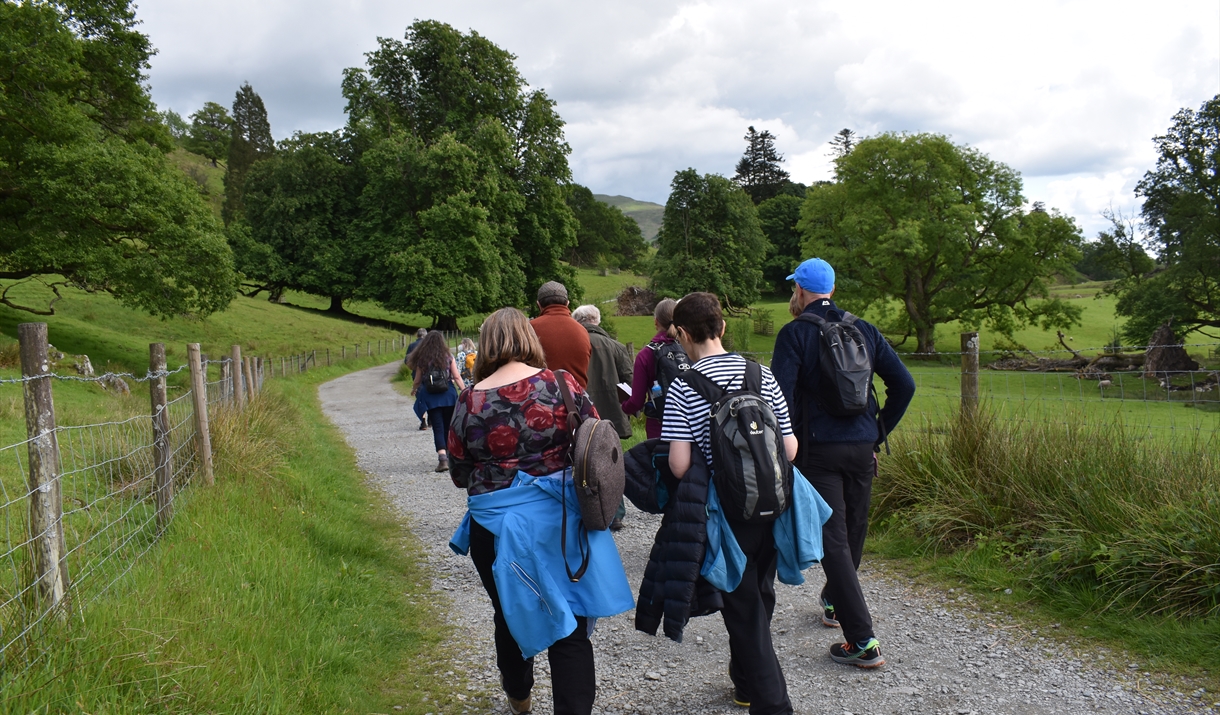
944, 654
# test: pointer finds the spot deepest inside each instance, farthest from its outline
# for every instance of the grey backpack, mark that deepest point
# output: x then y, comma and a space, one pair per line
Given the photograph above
845, 366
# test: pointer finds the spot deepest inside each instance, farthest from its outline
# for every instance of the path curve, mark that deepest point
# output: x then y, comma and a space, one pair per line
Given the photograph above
944, 654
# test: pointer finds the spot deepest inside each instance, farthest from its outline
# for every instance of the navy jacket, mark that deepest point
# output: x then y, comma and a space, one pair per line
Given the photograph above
795, 366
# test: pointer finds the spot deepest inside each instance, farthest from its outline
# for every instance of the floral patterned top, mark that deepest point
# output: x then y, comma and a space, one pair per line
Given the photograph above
519, 426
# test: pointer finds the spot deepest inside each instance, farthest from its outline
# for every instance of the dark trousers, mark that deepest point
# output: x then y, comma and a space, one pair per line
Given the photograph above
439, 418
573, 681
747, 612
843, 475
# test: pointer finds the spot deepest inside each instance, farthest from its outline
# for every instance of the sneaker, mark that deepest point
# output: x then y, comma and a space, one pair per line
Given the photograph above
519, 707
866, 656
828, 615
740, 699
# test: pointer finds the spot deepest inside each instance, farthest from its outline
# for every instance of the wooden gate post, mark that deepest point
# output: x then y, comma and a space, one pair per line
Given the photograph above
970, 374
163, 479
199, 398
239, 392
50, 576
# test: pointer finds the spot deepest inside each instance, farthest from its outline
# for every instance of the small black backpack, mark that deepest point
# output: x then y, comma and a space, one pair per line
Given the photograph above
436, 381
750, 468
845, 366
671, 362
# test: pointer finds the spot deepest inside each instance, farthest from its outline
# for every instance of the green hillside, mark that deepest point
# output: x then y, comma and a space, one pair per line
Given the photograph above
647, 214
210, 179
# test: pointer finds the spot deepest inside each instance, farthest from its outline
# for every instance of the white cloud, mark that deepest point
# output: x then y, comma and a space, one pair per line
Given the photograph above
1069, 93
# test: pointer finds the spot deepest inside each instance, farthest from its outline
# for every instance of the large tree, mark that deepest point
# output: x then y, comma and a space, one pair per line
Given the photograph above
441, 93
210, 132
710, 240
758, 170
937, 231
300, 205
605, 235
87, 195
250, 143
1182, 212
778, 217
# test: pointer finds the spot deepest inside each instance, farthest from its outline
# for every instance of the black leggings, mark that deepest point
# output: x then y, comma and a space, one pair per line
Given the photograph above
573, 680
439, 418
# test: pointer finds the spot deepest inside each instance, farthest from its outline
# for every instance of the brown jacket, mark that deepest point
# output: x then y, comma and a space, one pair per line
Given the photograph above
609, 365
565, 342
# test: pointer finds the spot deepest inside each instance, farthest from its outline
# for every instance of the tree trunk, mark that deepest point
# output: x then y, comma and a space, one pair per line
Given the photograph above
444, 322
336, 305
926, 337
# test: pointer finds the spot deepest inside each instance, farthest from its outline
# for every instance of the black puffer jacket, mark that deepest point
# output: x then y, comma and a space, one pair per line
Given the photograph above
672, 590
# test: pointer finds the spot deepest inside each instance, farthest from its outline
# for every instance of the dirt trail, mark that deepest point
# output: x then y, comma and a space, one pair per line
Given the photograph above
944, 654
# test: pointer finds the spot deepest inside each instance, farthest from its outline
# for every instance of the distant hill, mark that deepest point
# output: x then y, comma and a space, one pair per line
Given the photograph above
646, 214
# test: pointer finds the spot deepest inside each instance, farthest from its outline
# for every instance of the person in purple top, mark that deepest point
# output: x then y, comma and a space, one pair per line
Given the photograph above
655, 366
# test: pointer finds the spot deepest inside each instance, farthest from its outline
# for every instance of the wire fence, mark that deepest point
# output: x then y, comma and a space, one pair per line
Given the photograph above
81, 504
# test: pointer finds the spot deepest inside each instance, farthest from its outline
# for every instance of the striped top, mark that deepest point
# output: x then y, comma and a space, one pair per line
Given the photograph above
688, 416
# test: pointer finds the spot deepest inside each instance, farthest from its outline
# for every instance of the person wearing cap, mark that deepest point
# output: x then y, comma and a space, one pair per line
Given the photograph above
565, 341
838, 454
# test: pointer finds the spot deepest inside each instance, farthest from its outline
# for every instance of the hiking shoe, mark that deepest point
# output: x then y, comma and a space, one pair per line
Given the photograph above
616, 525
519, 707
828, 615
423, 425
868, 656
442, 465
740, 699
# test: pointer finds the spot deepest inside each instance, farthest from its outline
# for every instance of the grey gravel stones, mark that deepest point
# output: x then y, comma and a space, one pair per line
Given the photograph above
945, 655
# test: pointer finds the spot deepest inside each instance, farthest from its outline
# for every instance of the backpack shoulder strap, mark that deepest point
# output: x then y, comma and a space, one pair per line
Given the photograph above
849, 318
811, 318
573, 413
753, 381
654, 346
703, 385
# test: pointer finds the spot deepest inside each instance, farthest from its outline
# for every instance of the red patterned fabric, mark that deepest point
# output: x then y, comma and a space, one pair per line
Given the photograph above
520, 426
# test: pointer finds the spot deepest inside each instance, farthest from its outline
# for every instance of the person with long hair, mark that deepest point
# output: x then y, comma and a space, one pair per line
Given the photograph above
509, 447
434, 367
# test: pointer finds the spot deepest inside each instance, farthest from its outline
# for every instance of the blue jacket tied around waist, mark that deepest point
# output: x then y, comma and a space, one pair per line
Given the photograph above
797, 532
538, 601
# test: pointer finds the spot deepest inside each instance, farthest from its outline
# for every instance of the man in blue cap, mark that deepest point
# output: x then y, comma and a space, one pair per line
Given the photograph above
838, 449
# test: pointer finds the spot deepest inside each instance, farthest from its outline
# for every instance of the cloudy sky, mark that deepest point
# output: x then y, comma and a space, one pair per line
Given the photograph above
1068, 93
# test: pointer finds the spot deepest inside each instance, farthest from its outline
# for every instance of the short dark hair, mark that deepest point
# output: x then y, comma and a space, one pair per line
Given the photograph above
700, 316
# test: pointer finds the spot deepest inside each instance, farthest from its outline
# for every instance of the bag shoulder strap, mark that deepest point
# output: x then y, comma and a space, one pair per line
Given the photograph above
574, 419
703, 385
811, 318
753, 381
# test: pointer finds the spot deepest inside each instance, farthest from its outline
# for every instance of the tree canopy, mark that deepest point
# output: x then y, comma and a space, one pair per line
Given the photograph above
710, 240
932, 232
1182, 213
87, 195
249, 143
210, 132
758, 170
453, 242
604, 235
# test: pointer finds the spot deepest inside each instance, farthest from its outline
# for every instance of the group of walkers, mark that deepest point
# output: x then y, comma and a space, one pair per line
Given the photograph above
813, 425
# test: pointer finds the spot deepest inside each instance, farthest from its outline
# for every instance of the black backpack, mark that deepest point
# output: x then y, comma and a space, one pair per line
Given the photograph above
845, 365
436, 381
749, 465
671, 362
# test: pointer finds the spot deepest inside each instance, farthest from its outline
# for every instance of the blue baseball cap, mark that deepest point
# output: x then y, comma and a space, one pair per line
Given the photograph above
815, 276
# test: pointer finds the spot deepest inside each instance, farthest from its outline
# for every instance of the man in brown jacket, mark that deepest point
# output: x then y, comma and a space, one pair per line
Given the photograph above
565, 341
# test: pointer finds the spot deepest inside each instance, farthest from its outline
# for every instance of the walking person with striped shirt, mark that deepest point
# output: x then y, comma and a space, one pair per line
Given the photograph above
698, 324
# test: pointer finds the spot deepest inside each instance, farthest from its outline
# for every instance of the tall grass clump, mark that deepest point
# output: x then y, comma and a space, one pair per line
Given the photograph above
1070, 504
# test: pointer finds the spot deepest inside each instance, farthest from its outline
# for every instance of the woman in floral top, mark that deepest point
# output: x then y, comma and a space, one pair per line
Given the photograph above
514, 419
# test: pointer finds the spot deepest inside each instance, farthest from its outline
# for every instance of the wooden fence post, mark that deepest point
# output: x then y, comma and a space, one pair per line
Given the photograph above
163, 479
50, 576
327, 357
631, 349
199, 398
239, 394
369, 349
343, 352
248, 366
225, 388
970, 374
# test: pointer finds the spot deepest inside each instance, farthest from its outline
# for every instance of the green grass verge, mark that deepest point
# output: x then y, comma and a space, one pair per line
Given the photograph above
287, 587
1113, 537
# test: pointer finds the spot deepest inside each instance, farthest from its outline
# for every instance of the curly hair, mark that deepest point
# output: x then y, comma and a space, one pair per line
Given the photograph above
432, 353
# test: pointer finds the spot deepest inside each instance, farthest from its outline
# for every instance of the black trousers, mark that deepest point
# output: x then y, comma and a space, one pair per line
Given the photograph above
747, 612
573, 680
439, 418
843, 475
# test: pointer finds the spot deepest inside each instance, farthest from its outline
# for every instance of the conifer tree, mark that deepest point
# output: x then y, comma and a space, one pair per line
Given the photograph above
843, 143
251, 142
758, 171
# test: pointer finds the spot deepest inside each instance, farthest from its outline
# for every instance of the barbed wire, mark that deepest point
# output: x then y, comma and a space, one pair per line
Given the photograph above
150, 375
